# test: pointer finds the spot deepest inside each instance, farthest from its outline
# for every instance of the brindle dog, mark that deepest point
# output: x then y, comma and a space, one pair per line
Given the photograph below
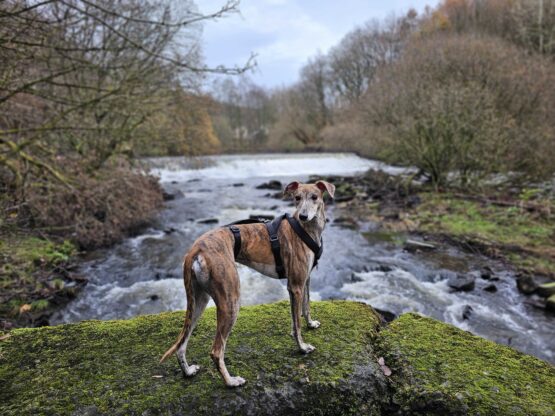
209, 271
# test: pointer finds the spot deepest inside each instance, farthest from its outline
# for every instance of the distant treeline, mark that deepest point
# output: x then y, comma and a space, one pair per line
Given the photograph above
465, 91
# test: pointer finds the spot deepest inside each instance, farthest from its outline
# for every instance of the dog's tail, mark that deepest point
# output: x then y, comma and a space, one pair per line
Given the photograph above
188, 280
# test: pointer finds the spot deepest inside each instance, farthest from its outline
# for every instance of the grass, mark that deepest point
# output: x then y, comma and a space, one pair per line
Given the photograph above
526, 239
28, 273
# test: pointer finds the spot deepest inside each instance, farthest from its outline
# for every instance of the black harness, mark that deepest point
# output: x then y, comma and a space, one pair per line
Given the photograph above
273, 227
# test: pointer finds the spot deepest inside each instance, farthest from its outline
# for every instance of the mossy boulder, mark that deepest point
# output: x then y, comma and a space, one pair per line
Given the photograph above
439, 369
111, 368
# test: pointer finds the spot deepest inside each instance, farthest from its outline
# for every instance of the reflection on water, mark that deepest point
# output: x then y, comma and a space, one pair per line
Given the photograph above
143, 274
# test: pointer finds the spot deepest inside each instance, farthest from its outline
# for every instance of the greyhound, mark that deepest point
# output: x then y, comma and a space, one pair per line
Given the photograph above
209, 270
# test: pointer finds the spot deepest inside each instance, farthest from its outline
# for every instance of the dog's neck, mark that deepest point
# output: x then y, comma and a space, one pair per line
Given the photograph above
316, 225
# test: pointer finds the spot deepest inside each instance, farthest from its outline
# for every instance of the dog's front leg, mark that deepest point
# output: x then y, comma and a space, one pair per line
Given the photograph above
296, 298
306, 307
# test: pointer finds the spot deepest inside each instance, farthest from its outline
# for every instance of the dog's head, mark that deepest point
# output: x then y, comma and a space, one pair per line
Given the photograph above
309, 198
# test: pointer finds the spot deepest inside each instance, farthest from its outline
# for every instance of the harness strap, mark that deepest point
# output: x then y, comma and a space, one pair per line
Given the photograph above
307, 239
273, 228
237, 244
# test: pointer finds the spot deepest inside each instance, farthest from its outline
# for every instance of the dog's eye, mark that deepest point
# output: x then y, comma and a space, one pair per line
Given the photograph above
297, 198
314, 197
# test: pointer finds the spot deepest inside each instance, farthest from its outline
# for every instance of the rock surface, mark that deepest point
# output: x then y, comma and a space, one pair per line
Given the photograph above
273, 184
414, 366
463, 283
546, 289
441, 370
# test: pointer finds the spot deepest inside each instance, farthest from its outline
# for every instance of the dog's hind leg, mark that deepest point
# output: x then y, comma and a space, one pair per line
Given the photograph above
306, 307
226, 295
201, 299
197, 298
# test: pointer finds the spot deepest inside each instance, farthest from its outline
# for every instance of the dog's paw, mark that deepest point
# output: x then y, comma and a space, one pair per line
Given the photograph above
307, 348
313, 324
236, 382
191, 370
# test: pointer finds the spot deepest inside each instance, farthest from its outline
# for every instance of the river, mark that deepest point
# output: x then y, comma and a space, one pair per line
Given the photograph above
142, 274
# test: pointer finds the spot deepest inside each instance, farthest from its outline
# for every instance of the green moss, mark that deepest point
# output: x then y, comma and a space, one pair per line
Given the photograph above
440, 369
112, 367
28, 274
37, 250
527, 237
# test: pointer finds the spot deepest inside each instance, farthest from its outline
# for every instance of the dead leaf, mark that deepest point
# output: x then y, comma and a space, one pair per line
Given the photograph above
157, 376
24, 308
5, 337
385, 369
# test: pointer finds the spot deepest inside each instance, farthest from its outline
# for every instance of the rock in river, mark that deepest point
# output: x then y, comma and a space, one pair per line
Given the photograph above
462, 282
275, 185
526, 284
546, 290
208, 221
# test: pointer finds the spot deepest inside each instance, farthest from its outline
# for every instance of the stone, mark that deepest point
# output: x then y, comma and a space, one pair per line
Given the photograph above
273, 184
491, 288
413, 245
467, 311
387, 316
209, 221
112, 368
526, 284
546, 290
463, 283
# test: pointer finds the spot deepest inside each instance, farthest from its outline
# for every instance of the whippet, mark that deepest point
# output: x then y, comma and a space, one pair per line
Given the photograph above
209, 271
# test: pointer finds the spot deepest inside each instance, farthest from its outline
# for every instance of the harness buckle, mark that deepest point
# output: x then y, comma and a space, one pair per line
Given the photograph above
274, 238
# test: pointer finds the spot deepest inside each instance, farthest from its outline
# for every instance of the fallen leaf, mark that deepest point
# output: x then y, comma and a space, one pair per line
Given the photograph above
386, 370
5, 337
24, 308
157, 376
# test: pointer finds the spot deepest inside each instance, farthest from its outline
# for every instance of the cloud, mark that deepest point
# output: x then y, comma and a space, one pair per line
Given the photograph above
286, 33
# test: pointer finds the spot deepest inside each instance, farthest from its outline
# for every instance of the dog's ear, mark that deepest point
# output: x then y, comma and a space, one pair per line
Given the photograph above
289, 189
326, 187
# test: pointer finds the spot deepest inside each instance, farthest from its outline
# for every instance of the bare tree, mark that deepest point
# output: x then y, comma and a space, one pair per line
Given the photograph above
78, 77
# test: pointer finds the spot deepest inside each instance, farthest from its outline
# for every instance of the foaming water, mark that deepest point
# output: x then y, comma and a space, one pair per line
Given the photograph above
264, 165
143, 274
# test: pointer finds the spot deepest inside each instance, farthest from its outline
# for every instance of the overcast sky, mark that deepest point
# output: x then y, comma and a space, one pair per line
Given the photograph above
285, 33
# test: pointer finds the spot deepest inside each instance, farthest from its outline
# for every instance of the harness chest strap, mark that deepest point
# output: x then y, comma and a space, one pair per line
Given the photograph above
273, 228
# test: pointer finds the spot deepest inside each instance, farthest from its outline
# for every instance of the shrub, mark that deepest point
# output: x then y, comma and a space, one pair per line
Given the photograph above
96, 210
465, 104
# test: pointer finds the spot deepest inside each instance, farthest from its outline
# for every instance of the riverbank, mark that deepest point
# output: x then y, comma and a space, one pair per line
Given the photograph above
43, 237
415, 365
37, 277
515, 226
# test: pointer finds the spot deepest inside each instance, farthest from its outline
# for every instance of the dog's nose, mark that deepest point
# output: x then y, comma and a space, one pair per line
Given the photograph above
303, 217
